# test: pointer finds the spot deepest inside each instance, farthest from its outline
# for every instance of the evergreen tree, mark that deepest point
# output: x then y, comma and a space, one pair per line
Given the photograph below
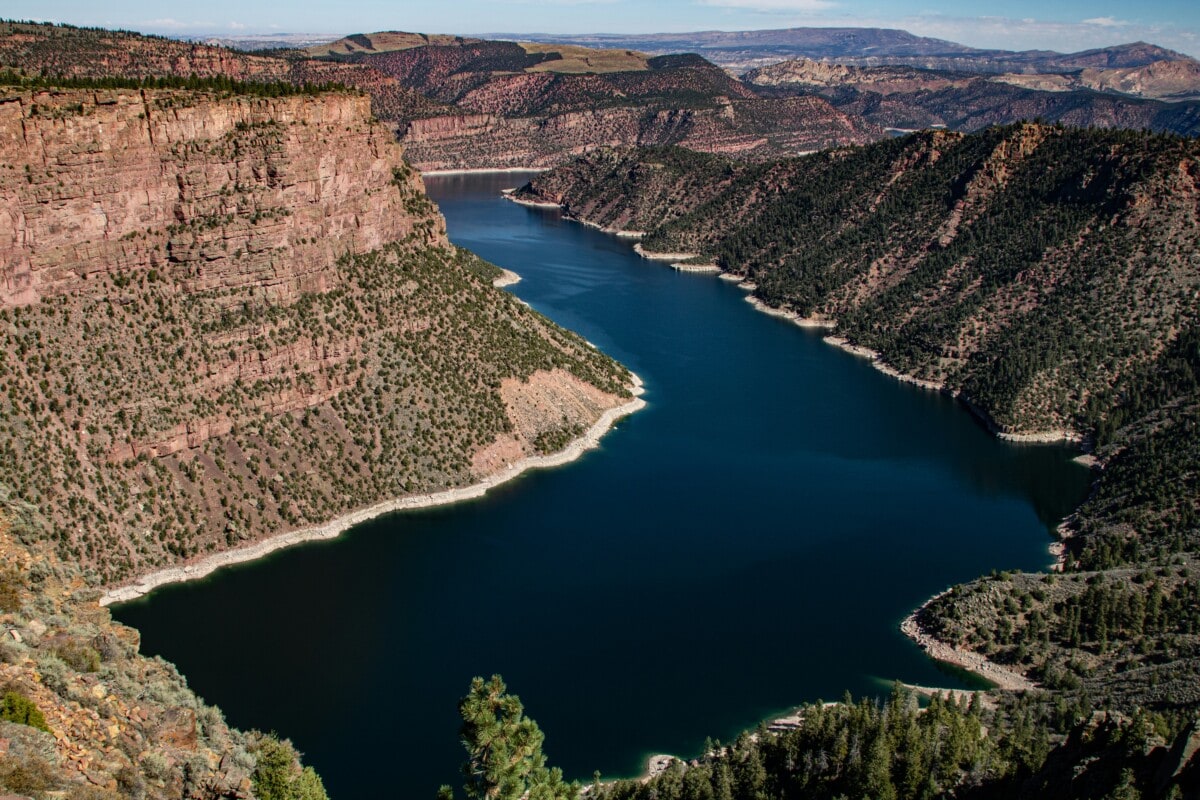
504, 749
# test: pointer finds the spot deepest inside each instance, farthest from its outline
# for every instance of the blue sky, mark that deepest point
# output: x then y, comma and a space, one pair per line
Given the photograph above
1019, 24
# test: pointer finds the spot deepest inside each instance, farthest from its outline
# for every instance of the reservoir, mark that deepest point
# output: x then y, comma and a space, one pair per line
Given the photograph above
748, 542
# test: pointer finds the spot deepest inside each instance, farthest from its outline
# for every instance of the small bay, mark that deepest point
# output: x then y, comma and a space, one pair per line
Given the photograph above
748, 542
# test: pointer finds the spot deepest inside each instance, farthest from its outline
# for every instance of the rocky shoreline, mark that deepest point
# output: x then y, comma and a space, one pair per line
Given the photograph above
1000, 675
972, 662
333, 528
478, 171
507, 278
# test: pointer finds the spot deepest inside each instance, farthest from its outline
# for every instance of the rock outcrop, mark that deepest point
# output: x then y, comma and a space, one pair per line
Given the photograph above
113, 722
907, 97
746, 128
210, 193
228, 316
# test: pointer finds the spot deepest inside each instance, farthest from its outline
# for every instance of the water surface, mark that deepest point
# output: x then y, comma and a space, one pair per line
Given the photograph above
748, 542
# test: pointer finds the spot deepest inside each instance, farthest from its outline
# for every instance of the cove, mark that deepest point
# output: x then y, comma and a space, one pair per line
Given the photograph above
748, 542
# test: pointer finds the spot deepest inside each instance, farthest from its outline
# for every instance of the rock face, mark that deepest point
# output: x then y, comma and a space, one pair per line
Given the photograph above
225, 317
909, 98
751, 129
96, 53
523, 106
1168, 80
236, 193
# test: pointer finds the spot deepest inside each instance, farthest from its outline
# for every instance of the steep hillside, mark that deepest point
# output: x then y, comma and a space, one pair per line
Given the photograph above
226, 317
96, 720
986, 230
909, 98
1047, 275
748, 129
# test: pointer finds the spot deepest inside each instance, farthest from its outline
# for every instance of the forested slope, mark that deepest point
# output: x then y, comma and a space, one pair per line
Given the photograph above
1048, 276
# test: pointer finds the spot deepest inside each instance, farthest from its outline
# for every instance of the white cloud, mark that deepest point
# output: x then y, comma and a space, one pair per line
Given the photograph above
237, 26
1106, 22
166, 22
171, 24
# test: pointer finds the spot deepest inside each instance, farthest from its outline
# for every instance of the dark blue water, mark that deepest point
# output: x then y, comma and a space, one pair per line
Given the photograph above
748, 542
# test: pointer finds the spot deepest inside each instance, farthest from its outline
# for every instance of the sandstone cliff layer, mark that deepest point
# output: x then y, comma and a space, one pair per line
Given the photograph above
232, 193
748, 129
911, 98
225, 317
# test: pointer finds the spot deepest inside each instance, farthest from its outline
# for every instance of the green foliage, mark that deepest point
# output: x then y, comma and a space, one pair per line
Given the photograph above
278, 775
504, 749
897, 750
16, 707
1044, 273
411, 345
217, 84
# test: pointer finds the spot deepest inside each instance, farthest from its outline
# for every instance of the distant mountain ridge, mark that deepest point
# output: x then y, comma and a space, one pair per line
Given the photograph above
506, 104
463, 103
533, 105
908, 98
382, 42
868, 47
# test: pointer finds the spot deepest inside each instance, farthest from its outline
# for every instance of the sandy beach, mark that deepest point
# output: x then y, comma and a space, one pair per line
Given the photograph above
508, 195
333, 528
711, 269
1043, 437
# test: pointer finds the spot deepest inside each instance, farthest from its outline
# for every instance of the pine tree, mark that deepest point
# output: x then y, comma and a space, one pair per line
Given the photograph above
504, 749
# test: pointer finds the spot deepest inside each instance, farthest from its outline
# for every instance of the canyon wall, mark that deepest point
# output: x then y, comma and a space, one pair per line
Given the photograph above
228, 316
747, 128
241, 192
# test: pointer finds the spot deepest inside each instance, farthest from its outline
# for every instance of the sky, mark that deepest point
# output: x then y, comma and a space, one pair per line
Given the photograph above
1065, 25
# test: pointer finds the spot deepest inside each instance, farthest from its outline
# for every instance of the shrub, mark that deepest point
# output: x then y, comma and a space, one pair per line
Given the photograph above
29, 775
10, 591
16, 707
278, 776
78, 656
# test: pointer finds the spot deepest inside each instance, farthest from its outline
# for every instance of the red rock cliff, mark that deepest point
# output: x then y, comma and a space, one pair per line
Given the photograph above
216, 191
